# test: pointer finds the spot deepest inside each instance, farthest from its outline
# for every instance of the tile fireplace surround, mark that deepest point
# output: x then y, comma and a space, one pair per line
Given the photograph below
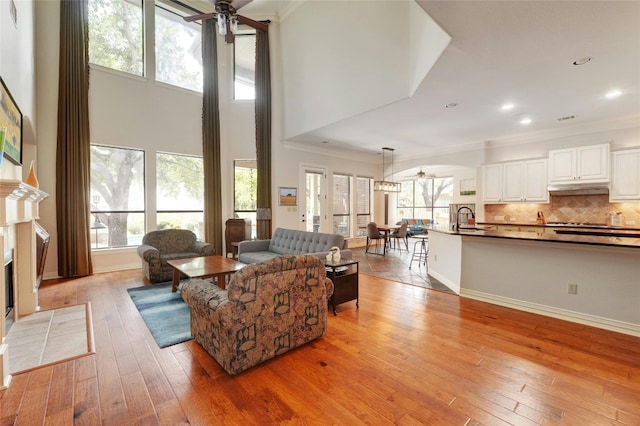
19, 209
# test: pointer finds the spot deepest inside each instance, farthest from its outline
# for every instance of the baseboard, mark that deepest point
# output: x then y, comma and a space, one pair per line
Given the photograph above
549, 311
444, 280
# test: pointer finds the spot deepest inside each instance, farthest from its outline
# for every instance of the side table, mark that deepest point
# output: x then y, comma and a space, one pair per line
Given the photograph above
344, 275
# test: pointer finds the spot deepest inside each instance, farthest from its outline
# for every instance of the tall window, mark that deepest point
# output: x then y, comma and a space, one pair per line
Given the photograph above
342, 204
426, 199
116, 34
363, 205
245, 184
117, 196
180, 192
244, 66
178, 49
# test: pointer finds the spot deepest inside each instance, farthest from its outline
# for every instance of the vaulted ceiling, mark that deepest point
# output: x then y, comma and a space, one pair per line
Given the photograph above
517, 52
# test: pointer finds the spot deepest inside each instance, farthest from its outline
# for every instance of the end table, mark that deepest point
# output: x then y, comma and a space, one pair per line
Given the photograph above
344, 275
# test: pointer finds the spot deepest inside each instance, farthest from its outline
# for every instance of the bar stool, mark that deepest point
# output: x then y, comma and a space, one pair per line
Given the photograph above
420, 255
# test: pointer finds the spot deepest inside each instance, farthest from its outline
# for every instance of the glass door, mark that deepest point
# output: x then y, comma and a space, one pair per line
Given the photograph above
314, 199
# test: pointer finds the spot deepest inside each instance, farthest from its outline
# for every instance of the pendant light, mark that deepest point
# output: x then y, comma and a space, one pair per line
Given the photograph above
386, 185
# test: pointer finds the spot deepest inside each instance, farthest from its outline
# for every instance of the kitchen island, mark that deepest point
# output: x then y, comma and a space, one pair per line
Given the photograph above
536, 271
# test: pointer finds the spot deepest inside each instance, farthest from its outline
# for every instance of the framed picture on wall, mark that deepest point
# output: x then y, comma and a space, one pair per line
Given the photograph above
468, 187
288, 196
11, 122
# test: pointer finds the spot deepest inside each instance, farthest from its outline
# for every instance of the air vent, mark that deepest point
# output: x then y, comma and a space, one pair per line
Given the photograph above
568, 117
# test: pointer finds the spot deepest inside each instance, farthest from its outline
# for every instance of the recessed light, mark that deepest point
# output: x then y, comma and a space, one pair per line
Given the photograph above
451, 105
507, 107
613, 94
525, 121
582, 60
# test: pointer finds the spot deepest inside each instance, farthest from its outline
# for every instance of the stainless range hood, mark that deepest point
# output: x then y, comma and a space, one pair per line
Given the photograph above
579, 189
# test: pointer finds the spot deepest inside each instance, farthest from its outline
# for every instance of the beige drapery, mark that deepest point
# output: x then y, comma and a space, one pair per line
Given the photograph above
73, 143
211, 138
263, 130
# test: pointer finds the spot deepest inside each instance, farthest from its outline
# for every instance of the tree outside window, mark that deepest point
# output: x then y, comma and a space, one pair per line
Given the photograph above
117, 196
426, 199
178, 49
245, 198
180, 192
116, 34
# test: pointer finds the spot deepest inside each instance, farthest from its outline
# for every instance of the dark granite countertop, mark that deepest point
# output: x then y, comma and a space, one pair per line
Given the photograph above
562, 225
600, 240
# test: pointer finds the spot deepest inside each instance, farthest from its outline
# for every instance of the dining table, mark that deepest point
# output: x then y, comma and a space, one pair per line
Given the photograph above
387, 229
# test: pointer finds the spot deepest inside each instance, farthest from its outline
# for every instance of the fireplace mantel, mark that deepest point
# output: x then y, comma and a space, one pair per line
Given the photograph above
19, 209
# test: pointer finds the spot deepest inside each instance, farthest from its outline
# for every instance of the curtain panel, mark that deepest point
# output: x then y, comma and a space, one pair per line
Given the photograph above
263, 130
73, 178
211, 138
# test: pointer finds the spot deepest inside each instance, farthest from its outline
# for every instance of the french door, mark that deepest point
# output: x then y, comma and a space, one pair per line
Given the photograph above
314, 199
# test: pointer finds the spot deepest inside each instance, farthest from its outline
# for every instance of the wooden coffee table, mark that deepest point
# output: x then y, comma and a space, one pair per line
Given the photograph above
217, 267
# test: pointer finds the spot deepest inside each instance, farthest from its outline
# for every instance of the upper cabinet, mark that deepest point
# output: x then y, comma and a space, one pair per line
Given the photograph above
516, 182
625, 176
581, 164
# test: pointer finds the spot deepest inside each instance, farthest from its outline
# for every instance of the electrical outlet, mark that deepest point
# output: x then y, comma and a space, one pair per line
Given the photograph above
435, 257
572, 288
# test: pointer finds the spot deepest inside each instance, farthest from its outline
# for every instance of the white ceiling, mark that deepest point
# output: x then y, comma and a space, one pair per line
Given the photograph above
506, 51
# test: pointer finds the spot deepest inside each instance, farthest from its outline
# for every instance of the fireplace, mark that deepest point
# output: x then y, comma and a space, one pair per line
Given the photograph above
19, 210
8, 288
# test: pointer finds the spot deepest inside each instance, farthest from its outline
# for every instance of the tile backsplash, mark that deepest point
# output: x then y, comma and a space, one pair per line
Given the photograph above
571, 208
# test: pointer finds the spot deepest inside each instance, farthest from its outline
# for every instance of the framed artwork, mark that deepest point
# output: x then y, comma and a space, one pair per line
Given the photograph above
288, 196
468, 187
11, 120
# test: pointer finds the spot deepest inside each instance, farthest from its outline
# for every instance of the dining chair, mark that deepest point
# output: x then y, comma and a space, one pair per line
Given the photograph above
374, 235
402, 235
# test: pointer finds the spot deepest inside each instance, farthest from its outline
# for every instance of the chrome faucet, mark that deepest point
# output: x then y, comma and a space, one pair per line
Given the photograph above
457, 225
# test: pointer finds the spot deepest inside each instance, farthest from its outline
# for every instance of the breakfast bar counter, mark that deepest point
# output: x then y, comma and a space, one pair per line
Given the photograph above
588, 279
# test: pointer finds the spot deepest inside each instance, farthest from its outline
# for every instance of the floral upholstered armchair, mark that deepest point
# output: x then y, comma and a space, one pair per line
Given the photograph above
267, 309
166, 244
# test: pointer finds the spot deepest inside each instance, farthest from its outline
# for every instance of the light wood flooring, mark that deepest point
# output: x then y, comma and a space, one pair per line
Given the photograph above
409, 355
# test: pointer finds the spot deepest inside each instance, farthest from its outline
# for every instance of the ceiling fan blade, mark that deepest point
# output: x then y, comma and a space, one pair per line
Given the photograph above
202, 16
253, 24
237, 4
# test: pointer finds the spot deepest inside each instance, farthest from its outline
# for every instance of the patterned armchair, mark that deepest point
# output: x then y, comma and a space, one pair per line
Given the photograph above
166, 244
267, 309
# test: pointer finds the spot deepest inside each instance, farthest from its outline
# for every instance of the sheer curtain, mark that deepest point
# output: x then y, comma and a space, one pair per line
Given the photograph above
73, 178
211, 138
263, 130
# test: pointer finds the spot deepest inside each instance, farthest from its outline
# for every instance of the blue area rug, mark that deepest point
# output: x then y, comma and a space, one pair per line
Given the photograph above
167, 316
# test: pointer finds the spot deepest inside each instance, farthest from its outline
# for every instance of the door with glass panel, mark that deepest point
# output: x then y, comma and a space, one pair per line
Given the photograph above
313, 200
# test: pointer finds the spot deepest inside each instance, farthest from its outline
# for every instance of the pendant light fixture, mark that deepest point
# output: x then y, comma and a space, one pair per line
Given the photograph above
386, 185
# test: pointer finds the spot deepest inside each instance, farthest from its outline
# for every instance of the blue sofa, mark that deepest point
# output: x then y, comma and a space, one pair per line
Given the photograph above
417, 226
292, 241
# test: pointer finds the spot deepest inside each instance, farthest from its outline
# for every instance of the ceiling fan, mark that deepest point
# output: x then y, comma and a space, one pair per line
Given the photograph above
421, 175
228, 19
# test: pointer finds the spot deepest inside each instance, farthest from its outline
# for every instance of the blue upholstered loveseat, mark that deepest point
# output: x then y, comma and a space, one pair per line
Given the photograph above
417, 226
292, 241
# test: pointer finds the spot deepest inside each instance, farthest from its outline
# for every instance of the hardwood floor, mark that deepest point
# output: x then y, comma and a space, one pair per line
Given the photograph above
408, 355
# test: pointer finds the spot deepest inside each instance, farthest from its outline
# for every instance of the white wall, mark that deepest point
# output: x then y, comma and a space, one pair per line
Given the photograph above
17, 68
326, 79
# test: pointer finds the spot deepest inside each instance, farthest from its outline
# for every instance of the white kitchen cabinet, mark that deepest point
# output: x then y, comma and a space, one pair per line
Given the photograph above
516, 182
581, 164
492, 183
625, 176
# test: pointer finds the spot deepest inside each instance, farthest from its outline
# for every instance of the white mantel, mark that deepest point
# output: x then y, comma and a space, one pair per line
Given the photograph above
19, 209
